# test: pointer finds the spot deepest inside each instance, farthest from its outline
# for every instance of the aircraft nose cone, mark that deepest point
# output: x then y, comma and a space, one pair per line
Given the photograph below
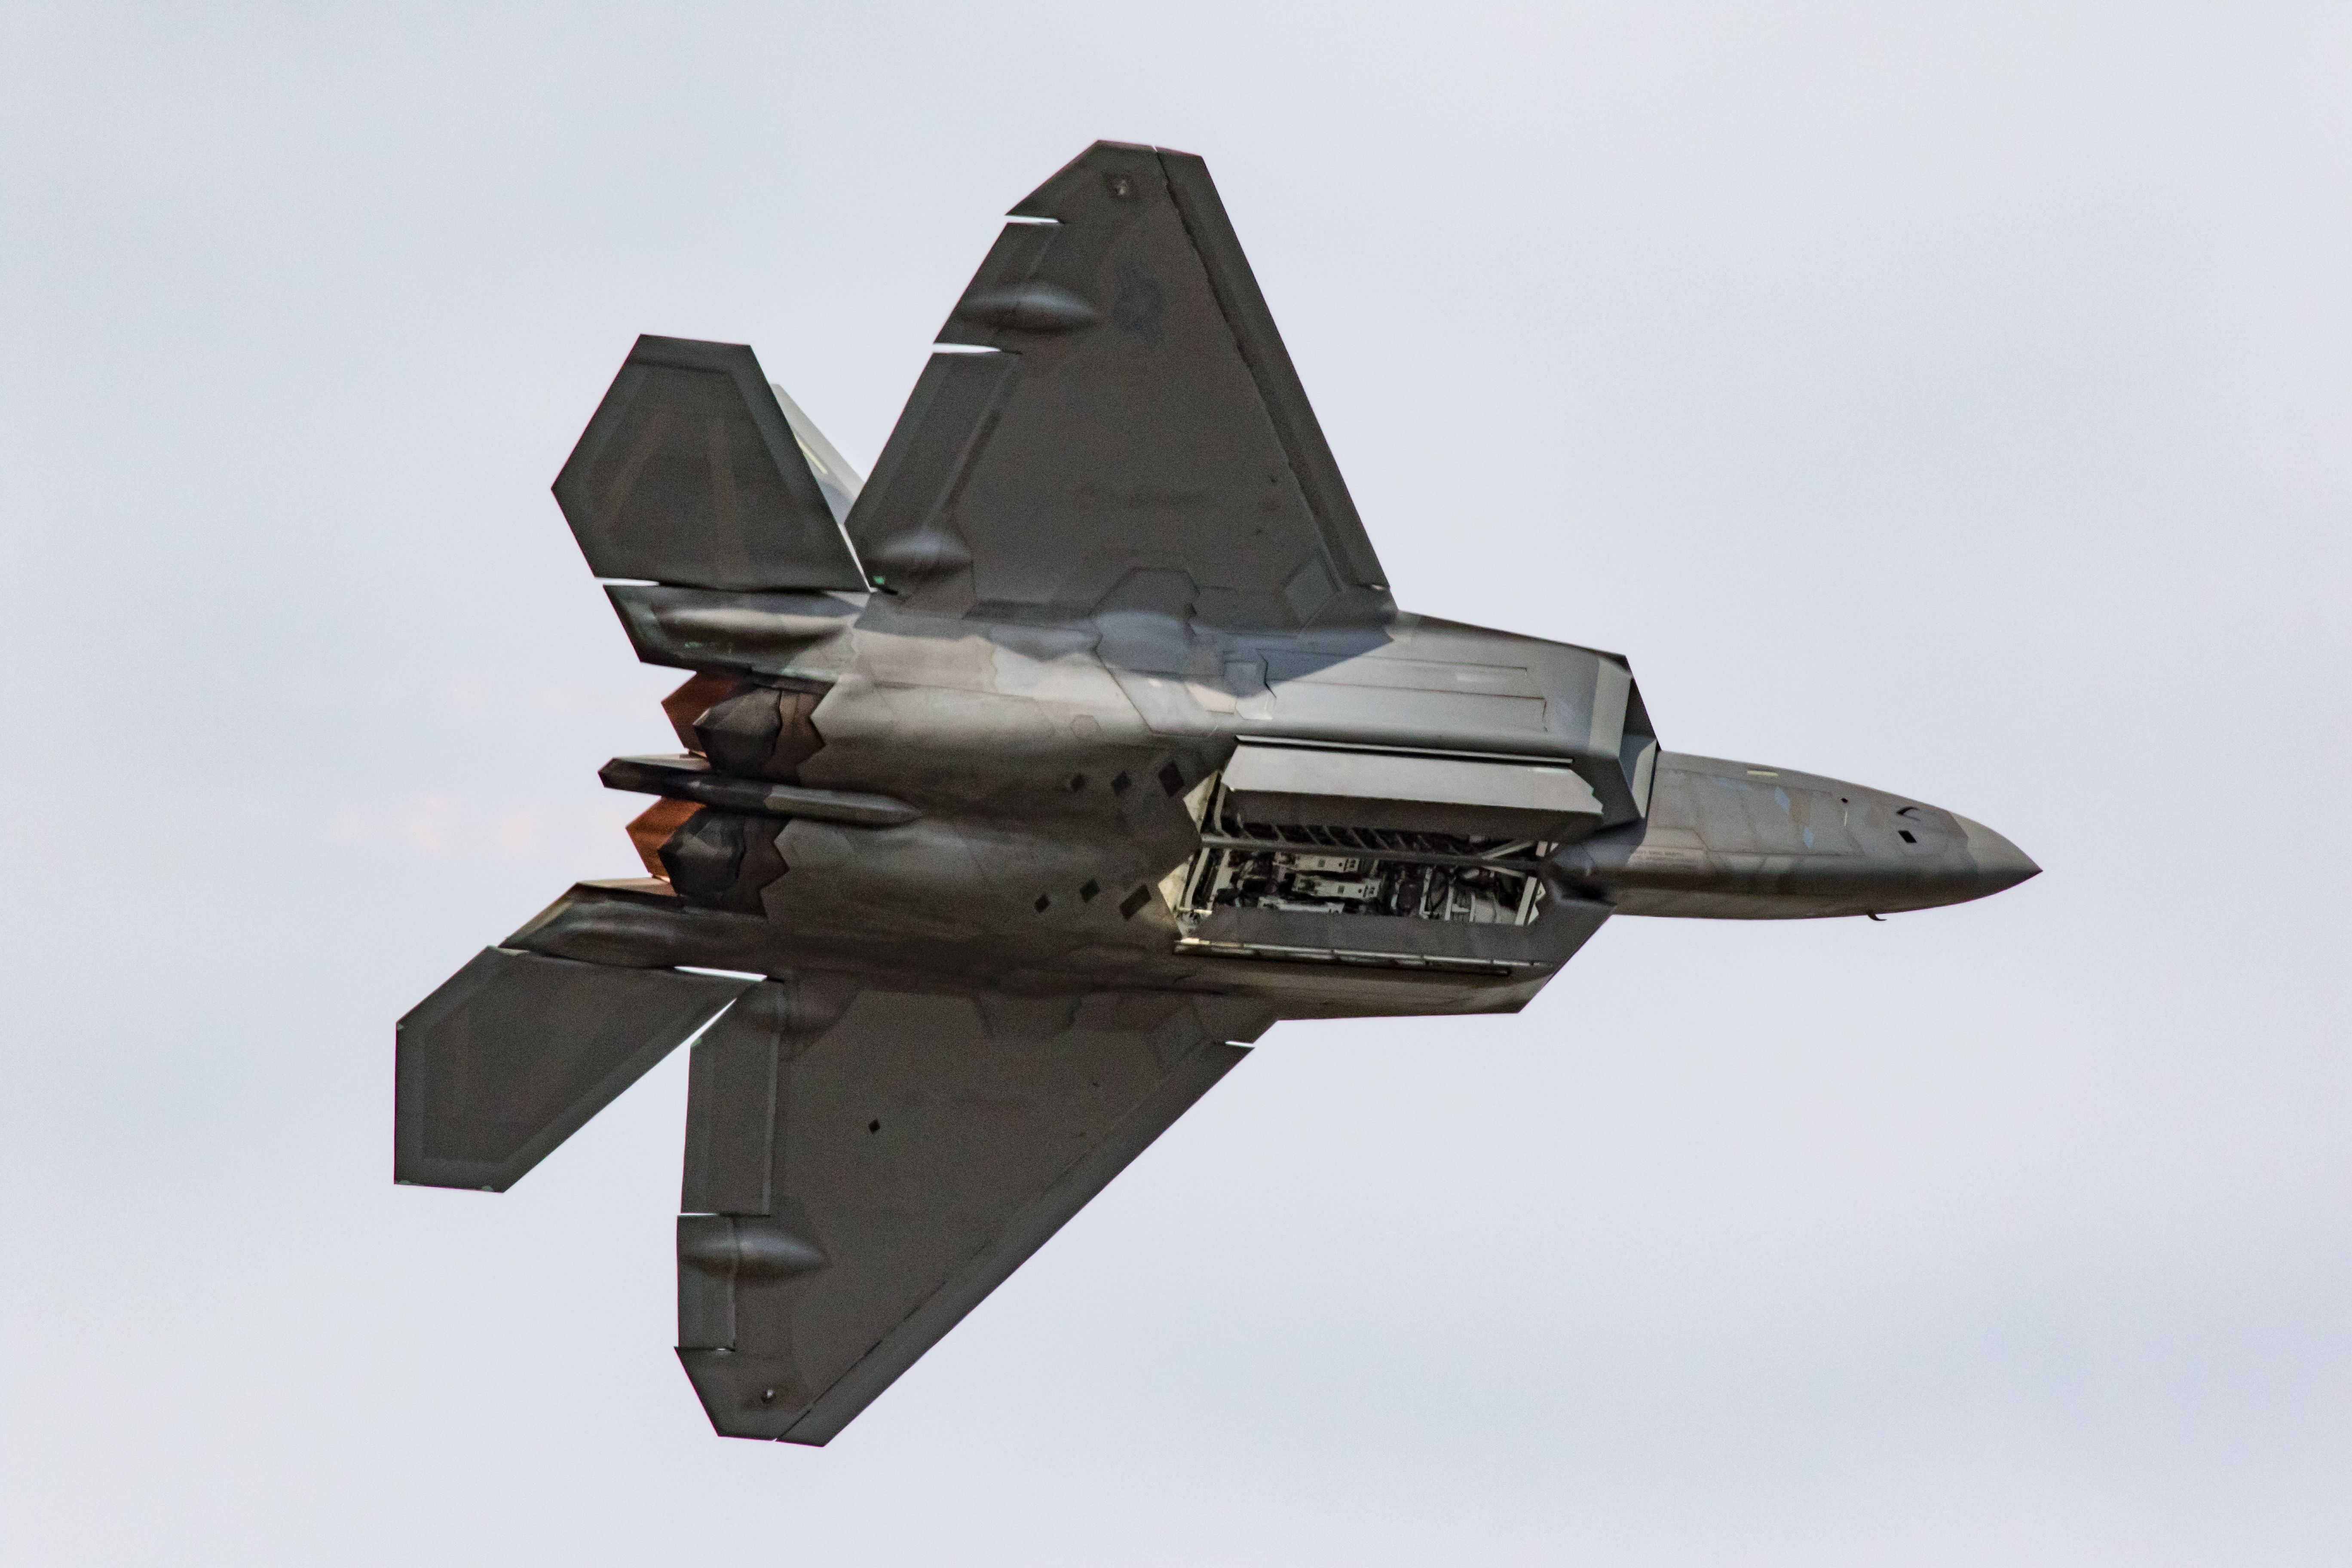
1999, 864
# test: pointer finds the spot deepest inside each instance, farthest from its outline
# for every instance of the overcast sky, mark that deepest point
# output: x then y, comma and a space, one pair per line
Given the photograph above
1954, 399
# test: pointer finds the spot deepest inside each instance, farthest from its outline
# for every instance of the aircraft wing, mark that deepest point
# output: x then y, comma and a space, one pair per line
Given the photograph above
864, 1166
1138, 412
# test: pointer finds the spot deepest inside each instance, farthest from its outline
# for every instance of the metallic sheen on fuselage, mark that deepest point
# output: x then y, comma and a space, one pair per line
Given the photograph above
1003, 739
1024, 786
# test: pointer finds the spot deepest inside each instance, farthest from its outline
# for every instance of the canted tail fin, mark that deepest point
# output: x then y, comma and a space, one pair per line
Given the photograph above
834, 476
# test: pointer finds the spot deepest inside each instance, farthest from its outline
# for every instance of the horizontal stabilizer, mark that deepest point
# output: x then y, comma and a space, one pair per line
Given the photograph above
690, 473
515, 1052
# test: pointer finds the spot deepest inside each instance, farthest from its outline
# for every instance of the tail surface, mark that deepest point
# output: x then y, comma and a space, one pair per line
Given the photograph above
695, 471
515, 1051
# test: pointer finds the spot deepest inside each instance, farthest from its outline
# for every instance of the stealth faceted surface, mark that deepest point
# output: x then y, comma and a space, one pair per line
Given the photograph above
515, 1051
1948, 400
689, 473
1125, 753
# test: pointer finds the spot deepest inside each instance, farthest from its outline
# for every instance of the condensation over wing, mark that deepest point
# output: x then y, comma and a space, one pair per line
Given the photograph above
864, 1166
1140, 412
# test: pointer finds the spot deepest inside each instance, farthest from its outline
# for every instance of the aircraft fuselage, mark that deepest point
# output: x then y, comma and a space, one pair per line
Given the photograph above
1057, 805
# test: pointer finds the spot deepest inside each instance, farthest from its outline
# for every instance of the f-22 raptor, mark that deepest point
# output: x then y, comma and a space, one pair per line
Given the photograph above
1025, 784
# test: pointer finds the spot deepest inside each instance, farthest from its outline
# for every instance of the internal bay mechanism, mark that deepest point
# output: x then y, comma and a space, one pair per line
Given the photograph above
1342, 870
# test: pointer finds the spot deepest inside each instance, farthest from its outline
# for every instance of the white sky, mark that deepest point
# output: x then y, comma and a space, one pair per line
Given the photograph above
1957, 400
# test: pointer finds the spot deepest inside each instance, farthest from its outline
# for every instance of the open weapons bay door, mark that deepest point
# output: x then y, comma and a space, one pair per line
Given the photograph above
1356, 856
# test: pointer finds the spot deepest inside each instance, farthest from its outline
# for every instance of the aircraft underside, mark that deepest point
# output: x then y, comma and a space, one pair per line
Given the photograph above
1022, 787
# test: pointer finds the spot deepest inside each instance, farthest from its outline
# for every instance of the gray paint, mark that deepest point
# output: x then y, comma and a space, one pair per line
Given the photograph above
1732, 841
835, 478
1401, 790
979, 823
689, 473
515, 1051
918, 1147
1142, 413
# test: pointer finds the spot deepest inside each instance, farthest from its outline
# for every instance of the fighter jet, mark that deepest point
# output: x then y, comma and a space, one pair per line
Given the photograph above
1024, 786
